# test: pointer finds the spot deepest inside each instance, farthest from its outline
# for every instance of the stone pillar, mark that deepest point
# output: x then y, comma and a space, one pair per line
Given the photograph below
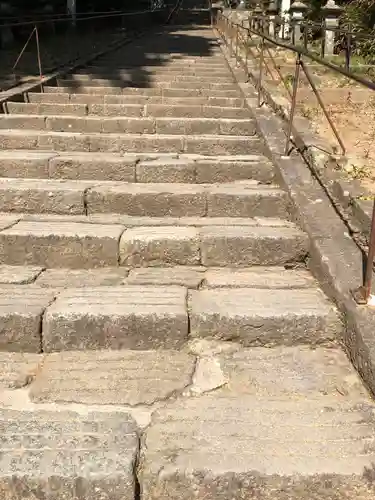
258, 12
331, 13
272, 12
297, 11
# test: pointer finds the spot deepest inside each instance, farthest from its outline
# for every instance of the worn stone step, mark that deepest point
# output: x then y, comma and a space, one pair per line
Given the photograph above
211, 246
143, 199
128, 110
130, 143
280, 422
177, 200
135, 98
133, 167
260, 317
163, 84
146, 79
73, 244
188, 276
150, 70
21, 311
110, 440
269, 418
154, 317
140, 91
120, 318
130, 125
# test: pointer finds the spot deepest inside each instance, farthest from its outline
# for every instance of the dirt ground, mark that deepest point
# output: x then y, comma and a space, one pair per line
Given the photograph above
350, 105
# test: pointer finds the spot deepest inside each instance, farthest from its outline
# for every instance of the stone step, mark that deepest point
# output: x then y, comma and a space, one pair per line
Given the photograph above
149, 70
143, 91
135, 98
134, 168
130, 143
177, 83
242, 199
130, 125
270, 419
144, 80
154, 317
70, 244
128, 110
110, 439
192, 277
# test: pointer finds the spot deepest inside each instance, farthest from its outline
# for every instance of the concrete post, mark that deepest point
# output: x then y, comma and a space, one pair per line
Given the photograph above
297, 11
331, 13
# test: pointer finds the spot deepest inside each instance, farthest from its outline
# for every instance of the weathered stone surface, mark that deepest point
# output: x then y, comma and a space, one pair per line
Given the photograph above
275, 431
28, 164
189, 277
8, 220
19, 275
157, 200
244, 246
116, 318
98, 166
166, 170
18, 369
258, 277
244, 199
260, 317
21, 311
60, 244
42, 195
75, 278
158, 246
113, 377
66, 455
232, 169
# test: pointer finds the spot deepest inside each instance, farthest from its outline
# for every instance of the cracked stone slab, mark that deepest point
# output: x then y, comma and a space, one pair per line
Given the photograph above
126, 317
75, 278
266, 436
19, 275
263, 317
67, 455
18, 369
113, 378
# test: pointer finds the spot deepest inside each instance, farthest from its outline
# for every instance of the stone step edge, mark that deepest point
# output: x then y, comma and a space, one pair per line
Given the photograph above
154, 199
192, 277
130, 125
164, 317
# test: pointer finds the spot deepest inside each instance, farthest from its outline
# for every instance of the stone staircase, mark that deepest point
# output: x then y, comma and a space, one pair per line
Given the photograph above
161, 335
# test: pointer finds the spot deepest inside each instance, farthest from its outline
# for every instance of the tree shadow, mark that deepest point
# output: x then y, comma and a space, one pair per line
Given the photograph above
131, 65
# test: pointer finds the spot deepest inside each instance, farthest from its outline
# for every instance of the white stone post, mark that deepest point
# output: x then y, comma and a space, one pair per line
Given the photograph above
272, 14
331, 13
285, 6
297, 11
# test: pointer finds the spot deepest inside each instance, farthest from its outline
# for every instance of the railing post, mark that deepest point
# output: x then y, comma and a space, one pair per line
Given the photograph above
331, 13
293, 104
261, 60
297, 11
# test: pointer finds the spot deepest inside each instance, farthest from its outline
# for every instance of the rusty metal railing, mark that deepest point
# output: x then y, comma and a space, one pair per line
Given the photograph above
237, 37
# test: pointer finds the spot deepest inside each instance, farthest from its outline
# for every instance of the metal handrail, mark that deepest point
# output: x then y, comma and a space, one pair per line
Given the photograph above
362, 294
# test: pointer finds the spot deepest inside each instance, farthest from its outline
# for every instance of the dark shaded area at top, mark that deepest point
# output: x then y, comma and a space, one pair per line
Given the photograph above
60, 43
